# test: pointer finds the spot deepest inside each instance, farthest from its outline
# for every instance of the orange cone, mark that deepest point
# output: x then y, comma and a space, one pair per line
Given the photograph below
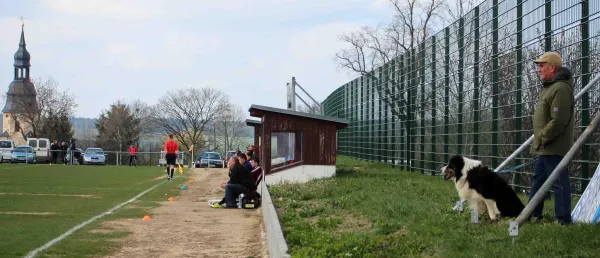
146, 217
171, 199
191, 180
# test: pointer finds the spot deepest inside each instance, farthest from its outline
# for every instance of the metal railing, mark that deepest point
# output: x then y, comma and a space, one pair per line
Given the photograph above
471, 89
115, 158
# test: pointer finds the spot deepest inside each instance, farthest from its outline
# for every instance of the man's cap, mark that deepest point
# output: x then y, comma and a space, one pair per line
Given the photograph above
550, 58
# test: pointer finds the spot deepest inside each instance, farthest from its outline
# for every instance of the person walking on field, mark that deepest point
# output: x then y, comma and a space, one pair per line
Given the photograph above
172, 153
553, 124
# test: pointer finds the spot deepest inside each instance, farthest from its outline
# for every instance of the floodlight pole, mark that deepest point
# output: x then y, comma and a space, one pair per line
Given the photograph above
291, 90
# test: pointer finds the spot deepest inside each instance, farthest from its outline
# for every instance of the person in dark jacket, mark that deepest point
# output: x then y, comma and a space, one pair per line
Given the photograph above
240, 181
54, 149
63, 151
553, 125
244, 160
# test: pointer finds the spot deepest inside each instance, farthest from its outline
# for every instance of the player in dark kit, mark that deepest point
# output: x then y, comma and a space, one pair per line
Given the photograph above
172, 151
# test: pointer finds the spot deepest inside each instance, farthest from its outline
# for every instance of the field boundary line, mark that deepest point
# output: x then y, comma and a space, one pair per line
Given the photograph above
52, 242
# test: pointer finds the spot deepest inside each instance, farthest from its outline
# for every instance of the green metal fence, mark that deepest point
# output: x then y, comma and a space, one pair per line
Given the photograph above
471, 89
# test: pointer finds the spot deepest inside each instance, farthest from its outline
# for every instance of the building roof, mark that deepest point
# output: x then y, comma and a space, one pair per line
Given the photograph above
252, 122
5, 134
21, 97
22, 57
295, 113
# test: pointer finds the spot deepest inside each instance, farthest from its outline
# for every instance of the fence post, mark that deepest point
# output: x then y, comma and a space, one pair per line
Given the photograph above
392, 139
476, 93
382, 87
585, 78
446, 93
516, 180
495, 79
422, 163
362, 117
403, 158
413, 100
433, 108
461, 78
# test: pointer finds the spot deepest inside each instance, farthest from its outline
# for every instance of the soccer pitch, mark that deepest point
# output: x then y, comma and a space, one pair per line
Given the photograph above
38, 203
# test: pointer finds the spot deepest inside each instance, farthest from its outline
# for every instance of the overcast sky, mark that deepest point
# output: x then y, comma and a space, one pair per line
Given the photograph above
105, 50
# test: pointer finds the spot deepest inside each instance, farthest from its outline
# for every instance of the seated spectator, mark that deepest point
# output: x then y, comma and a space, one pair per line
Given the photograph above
256, 170
240, 181
245, 162
250, 152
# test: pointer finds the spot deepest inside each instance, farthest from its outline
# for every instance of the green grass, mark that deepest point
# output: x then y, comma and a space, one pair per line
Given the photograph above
372, 210
110, 185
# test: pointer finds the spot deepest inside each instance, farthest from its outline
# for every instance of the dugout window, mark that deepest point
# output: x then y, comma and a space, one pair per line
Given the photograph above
286, 148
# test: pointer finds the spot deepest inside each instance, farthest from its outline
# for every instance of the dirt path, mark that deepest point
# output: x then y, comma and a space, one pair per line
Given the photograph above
187, 227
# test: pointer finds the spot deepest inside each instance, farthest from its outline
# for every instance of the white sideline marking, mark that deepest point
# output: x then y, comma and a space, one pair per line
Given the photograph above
70, 231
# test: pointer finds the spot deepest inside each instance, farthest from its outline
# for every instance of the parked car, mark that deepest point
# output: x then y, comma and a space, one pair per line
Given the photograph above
94, 156
42, 148
209, 159
78, 156
24, 154
6, 148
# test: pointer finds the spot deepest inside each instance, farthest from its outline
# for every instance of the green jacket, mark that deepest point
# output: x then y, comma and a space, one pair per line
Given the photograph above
553, 119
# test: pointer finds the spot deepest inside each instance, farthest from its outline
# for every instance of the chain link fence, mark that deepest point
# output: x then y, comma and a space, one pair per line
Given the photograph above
471, 89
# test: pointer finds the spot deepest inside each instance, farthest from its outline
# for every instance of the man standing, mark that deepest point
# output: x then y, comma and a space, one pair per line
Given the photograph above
132, 154
553, 123
54, 149
63, 150
172, 151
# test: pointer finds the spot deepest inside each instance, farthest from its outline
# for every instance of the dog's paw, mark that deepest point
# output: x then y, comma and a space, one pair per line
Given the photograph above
493, 220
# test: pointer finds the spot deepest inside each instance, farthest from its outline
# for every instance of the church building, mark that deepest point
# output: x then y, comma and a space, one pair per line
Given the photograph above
20, 99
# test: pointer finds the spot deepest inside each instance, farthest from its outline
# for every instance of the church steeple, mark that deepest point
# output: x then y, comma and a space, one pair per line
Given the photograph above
22, 59
21, 95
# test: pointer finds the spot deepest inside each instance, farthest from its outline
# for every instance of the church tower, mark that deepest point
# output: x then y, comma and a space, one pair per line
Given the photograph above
20, 98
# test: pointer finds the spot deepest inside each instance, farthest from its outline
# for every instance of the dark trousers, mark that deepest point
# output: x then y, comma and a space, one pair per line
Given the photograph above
544, 166
232, 191
131, 159
54, 157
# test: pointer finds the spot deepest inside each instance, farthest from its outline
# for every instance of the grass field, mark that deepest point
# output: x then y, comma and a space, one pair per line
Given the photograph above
372, 210
40, 202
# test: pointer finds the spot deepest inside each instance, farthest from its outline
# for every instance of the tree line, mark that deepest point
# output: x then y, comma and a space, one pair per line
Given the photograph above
195, 116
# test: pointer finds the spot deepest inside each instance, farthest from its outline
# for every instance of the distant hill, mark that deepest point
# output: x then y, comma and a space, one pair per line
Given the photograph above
83, 123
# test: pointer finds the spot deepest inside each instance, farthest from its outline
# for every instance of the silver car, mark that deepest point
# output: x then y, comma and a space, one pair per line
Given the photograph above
94, 156
24, 154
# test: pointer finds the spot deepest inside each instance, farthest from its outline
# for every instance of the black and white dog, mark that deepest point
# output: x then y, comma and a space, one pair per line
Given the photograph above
484, 189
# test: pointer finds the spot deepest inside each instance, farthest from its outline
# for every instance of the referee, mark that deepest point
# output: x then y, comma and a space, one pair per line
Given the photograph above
171, 150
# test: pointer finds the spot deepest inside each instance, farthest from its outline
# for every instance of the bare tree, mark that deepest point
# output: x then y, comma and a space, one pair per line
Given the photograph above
87, 138
50, 117
185, 113
313, 109
143, 112
231, 126
371, 48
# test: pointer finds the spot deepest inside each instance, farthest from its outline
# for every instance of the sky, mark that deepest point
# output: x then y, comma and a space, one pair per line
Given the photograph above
107, 50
